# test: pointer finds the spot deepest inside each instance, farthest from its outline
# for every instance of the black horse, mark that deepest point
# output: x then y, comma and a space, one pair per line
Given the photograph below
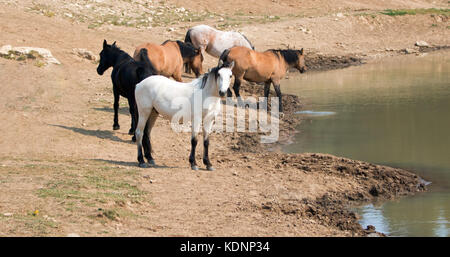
125, 75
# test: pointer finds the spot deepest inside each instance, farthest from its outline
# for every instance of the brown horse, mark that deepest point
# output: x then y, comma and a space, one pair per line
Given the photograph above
169, 58
268, 67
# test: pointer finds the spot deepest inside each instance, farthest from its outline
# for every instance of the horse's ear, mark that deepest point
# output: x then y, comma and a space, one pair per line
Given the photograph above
105, 44
220, 63
114, 44
301, 51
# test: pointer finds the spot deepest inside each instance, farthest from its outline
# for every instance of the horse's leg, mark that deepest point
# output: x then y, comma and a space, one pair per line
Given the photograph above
134, 116
195, 130
187, 68
278, 91
206, 131
140, 130
147, 136
192, 155
116, 125
229, 93
266, 89
266, 92
236, 87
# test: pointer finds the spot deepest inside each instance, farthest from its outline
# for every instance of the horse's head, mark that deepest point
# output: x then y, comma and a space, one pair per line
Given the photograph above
196, 62
223, 75
301, 66
192, 56
106, 57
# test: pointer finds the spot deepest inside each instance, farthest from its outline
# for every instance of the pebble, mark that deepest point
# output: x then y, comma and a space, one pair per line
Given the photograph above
7, 214
73, 235
84, 53
410, 50
422, 43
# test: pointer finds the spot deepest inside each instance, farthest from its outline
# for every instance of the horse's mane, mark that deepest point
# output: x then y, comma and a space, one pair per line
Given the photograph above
114, 47
205, 76
187, 49
120, 53
289, 55
149, 69
214, 71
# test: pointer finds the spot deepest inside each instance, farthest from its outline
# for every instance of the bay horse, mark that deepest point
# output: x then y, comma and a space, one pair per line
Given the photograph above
269, 67
169, 58
125, 75
214, 41
157, 95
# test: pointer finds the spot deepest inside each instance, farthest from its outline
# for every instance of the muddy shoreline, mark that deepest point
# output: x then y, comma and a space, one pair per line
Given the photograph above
378, 183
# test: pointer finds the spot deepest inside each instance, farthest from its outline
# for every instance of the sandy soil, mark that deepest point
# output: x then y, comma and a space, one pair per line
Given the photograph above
59, 155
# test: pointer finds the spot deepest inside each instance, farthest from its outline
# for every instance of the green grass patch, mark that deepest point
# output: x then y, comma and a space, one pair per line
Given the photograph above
401, 12
37, 224
238, 20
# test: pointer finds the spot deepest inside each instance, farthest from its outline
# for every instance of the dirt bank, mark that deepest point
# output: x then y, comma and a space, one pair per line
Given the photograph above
59, 155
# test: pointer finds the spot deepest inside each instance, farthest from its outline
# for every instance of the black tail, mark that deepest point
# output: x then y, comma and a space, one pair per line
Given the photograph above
224, 56
187, 39
148, 69
253, 48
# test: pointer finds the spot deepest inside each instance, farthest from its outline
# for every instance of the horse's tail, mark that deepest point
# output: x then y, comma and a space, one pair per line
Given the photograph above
224, 56
148, 69
248, 41
187, 39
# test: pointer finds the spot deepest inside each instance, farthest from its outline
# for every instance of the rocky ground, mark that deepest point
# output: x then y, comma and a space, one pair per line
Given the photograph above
65, 171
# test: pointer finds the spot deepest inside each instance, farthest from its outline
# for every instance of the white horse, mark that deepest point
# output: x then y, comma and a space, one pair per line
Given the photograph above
214, 41
159, 95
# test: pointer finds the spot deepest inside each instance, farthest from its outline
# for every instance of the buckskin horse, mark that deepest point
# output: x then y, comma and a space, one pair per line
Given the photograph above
169, 58
268, 67
125, 75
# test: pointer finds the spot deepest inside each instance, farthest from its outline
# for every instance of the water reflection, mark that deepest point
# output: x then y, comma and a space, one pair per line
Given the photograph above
394, 113
422, 215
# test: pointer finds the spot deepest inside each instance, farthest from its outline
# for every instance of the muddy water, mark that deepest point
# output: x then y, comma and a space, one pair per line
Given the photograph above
395, 112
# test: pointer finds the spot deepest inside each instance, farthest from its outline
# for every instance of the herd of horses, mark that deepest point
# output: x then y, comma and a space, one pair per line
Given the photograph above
144, 80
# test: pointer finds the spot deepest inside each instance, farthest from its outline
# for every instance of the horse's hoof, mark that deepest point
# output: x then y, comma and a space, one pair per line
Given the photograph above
152, 162
210, 168
116, 127
133, 139
131, 132
194, 167
240, 102
143, 165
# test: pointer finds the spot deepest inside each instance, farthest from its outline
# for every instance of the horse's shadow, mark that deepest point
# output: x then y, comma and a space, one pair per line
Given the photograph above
122, 110
132, 164
103, 134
